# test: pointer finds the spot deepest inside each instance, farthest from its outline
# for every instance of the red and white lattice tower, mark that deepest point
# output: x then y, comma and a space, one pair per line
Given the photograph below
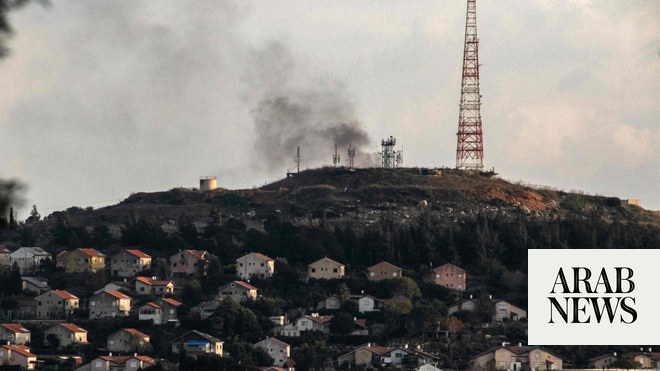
470, 146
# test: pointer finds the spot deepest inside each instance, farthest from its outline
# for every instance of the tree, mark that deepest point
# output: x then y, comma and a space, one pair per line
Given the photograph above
261, 357
341, 324
34, 215
11, 191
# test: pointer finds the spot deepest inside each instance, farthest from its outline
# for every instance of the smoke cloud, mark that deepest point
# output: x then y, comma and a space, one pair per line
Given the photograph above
314, 113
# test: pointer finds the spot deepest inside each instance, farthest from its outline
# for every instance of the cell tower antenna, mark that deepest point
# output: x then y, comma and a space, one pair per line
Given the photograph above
388, 154
470, 147
399, 158
351, 155
289, 172
336, 158
298, 160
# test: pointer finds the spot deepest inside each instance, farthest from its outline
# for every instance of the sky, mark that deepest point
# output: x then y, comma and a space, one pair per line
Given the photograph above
106, 98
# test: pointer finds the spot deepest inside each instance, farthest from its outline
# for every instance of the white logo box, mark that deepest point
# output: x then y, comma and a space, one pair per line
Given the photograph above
543, 268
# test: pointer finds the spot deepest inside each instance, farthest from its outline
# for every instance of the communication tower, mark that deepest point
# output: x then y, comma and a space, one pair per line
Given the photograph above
336, 158
297, 167
391, 158
470, 147
351, 155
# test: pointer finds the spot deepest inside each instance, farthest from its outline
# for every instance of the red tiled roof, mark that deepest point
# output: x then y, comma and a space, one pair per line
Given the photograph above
72, 327
147, 359
151, 282
380, 350
320, 319
262, 256
446, 264
117, 294
4, 250
361, 322
602, 356
246, 285
153, 305
199, 253
92, 252
21, 349
138, 253
171, 301
383, 265
330, 260
16, 328
137, 333
120, 360
281, 342
64, 294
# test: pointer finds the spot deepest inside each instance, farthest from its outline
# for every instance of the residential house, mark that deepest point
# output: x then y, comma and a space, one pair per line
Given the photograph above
56, 304
18, 355
206, 309
29, 259
81, 260
369, 355
449, 276
312, 322
330, 303
109, 304
127, 340
255, 264
189, 262
123, 286
129, 263
35, 285
517, 358
195, 343
602, 361
169, 309
504, 310
367, 303
118, 363
469, 305
13, 333
66, 334
237, 290
5, 256
277, 349
359, 327
152, 286
383, 271
325, 269
151, 312
163, 311
648, 359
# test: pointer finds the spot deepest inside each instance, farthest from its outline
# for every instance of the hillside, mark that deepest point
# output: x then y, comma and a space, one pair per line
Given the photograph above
359, 196
416, 219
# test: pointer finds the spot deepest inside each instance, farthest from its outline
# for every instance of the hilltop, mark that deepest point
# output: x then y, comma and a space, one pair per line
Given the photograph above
360, 195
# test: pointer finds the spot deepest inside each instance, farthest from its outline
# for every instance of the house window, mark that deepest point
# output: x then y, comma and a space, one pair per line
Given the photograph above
537, 355
262, 264
335, 270
313, 270
372, 274
394, 274
133, 364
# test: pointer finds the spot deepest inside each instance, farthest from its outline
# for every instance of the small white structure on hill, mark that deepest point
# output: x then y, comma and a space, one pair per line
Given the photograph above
208, 183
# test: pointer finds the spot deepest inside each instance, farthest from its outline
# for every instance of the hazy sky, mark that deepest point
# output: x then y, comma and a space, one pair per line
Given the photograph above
108, 97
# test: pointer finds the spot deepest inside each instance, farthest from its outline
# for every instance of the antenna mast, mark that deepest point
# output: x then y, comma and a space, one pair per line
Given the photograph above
469, 147
335, 158
351, 155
